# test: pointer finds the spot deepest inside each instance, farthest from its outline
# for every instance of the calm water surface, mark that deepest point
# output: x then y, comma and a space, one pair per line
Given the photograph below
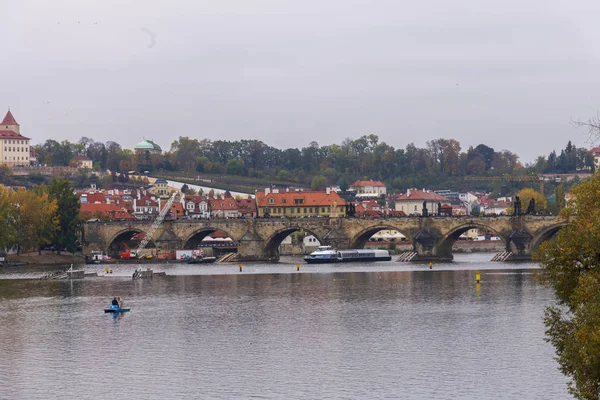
378, 331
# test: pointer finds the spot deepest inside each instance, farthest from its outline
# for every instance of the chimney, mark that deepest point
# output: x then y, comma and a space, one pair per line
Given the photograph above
287, 189
267, 190
275, 190
328, 190
407, 192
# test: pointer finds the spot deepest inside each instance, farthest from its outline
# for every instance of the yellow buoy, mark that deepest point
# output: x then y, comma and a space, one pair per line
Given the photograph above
297, 267
477, 276
430, 265
240, 265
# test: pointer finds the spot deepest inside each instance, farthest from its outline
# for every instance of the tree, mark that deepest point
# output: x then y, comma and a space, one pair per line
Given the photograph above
525, 195
7, 231
69, 223
571, 266
559, 194
319, 182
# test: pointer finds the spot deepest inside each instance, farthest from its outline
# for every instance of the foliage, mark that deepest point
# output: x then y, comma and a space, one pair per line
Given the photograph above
69, 226
571, 266
319, 182
29, 218
541, 204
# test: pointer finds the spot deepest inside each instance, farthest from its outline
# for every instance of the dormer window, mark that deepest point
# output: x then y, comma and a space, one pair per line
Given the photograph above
271, 201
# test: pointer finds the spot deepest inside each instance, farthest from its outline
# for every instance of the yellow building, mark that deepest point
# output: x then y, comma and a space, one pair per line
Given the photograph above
14, 147
300, 204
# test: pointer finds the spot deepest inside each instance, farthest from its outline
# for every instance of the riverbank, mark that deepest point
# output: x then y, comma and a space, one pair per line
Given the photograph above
46, 258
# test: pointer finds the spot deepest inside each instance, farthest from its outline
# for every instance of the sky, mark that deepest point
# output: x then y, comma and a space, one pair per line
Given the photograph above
509, 74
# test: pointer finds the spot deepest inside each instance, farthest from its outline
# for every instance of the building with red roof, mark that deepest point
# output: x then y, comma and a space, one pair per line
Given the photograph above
15, 149
247, 207
223, 208
300, 204
196, 206
368, 189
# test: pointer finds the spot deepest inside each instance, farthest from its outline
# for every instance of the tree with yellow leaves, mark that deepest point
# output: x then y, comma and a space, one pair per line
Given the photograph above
525, 195
31, 217
571, 266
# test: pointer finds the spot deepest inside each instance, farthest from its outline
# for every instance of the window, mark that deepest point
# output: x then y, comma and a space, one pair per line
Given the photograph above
292, 210
304, 210
271, 201
310, 210
298, 201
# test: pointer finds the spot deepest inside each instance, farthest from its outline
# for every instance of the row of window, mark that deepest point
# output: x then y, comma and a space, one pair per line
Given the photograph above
16, 158
305, 210
13, 141
15, 149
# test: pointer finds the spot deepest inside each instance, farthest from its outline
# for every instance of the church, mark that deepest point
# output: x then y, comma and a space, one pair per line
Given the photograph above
14, 147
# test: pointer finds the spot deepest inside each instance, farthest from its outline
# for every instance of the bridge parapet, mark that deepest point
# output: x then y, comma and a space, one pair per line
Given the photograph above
259, 239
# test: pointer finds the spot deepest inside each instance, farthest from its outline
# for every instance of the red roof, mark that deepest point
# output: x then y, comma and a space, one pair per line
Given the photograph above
11, 135
421, 195
96, 197
146, 201
368, 183
223, 204
289, 199
9, 119
595, 150
176, 209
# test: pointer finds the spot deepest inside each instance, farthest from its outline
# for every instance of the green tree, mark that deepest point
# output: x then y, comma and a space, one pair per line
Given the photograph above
69, 223
7, 231
571, 266
319, 182
559, 194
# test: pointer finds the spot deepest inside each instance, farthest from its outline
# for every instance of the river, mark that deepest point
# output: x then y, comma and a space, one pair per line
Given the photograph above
348, 331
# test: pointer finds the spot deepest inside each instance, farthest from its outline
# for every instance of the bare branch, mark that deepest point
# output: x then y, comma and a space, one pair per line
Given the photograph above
592, 125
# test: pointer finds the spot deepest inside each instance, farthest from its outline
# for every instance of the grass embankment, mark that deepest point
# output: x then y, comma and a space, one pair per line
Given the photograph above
233, 183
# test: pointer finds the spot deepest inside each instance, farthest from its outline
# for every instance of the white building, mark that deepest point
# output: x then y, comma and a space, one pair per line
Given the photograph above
412, 202
368, 189
14, 147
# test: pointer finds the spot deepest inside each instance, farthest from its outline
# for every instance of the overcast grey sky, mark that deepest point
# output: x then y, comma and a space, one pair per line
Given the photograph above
510, 74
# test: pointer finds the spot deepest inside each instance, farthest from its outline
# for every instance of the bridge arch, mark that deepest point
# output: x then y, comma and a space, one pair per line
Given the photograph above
114, 246
272, 243
546, 234
361, 238
444, 247
193, 239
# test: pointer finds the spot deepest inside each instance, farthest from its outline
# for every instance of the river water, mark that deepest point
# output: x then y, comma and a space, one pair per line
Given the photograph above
377, 331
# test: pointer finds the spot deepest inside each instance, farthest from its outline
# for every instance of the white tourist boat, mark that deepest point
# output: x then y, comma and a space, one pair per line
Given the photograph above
325, 254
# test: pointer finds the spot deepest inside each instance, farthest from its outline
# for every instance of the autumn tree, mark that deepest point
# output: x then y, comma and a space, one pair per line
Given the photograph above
69, 222
571, 266
525, 195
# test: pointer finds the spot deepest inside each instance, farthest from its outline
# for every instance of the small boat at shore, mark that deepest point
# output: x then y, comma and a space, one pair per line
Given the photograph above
325, 254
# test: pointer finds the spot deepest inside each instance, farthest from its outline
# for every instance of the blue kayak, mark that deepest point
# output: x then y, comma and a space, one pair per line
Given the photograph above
116, 309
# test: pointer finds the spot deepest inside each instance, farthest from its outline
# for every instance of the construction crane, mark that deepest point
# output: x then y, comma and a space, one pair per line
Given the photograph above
156, 224
510, 178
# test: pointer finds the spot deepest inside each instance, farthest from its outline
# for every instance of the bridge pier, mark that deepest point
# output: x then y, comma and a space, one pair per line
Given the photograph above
519, 243
428, 248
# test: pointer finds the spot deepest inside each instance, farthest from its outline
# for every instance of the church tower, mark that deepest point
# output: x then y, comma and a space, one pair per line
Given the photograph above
9, 123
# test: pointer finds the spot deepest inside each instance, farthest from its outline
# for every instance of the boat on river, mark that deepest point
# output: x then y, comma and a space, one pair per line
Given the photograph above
116, 309
325, 254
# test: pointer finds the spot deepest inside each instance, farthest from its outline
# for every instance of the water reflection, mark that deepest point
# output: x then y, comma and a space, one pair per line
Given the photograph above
412, 334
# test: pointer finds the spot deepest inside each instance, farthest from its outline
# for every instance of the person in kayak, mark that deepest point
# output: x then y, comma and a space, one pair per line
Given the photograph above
115, 302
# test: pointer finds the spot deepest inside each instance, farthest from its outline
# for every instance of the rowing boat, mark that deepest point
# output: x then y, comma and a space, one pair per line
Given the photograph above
116, 310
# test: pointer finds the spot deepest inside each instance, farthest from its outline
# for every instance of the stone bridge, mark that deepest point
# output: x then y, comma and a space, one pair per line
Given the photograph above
259, 239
